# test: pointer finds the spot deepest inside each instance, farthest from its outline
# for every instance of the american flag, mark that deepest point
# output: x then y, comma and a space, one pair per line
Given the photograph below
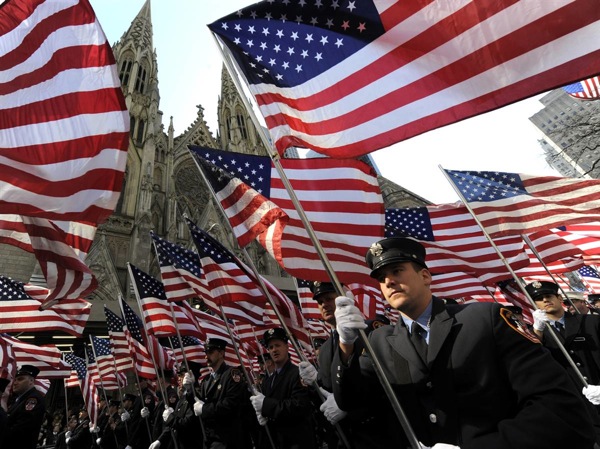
192, 348
249, 213
458, 285
65, 124
557, 255
229, 285
146, 350
368, 299
588, 89
516, 203
345, 78
591, 278
342, 201
585, 237
310, 308
89, 388
47, 358
319, 329
156, 310
120, 345
108, 368
8, 362
453, 240
19, 312
180, 270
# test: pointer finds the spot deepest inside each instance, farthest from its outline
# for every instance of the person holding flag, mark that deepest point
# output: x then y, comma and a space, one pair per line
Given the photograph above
466, 375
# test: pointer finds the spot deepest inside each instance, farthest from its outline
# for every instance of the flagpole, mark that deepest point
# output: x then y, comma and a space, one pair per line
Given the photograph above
66, 399
387, 387
150, 352
551, 332
539, 258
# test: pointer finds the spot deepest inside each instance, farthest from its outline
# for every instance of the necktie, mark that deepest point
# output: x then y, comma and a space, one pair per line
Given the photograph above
273, 378
560, 327
418, 340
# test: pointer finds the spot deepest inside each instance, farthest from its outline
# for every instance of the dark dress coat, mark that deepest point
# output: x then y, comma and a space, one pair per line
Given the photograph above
25, 417
183, 425
81, 437
223, 396
288, 409
485, 384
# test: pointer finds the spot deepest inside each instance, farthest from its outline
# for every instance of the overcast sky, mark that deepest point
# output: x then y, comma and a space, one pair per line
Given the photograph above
189, 73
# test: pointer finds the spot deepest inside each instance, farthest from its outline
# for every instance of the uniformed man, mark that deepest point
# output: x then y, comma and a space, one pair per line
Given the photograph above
109, 438
222, 393
576, 303
80, 437
145, 407
26, 413
285, 401
465, 375
3, 415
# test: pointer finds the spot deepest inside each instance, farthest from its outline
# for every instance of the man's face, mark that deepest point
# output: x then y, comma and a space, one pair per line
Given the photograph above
214, 356
405, 288
127, 404
550, 303
279, 351
580, 305
22, 383
326, 302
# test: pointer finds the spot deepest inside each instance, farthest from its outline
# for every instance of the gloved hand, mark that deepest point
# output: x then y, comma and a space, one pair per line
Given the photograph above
439, 446
144, 413
125, 416
68, 434
198, 407
188, 381
128, 447
330, 408
261, 419
592, 393
308, 373
348, 320
154, 445
93, 428
257, 402
166, 414
98, 441
540, 319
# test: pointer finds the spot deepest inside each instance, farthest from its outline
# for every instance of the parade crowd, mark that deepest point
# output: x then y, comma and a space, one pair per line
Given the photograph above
467, 376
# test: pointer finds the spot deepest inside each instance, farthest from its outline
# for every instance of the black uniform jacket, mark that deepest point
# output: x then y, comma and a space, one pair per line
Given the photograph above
25, 418
582, 341
81, 437
288, 408
183, 425
485, 384
223, 396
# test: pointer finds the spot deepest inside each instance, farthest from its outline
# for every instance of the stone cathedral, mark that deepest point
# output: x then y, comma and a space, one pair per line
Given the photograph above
162, 183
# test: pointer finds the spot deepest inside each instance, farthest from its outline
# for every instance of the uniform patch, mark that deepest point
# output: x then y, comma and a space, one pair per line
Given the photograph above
236, 375
30, 404
517, 325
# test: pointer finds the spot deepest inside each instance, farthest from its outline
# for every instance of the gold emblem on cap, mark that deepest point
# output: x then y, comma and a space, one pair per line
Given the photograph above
376, 249
317, 284
536, 284
271, 331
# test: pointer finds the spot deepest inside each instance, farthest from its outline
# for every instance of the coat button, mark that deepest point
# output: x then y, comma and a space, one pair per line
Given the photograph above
429, 385
578, 364
433, 418
571, 352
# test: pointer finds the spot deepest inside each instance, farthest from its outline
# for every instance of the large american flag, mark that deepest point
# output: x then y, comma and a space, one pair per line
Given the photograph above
342, 201
591, 278
368, 299
585, 237
458, 285
587, 89
193, 349
347, 77
156, 310
19, 312
516, 203
309, 307
453, 240
180, 270
47, 358
120, 345
65, 124
106, 382
108, 368
249, 213
89, 388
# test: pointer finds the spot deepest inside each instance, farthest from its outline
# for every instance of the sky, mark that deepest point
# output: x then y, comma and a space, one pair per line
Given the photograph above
189, 74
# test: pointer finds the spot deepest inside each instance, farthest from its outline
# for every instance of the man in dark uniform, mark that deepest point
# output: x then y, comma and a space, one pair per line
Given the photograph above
26, 413
466, 376
222, 393
180, 423
145, 407
80, 437
109, 438
3, 415
284, 402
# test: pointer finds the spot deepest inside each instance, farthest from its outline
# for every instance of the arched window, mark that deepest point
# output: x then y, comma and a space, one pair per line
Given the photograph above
241, 122
140, 81
125, 71
139, 136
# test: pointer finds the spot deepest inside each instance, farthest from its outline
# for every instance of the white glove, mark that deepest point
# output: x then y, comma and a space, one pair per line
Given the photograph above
98, 441
128, 447
257, 402
154, 445
198, 407
439, 446
592, 393
94, 429
348, 320
68, 434
144, 413
261, 419
188, 381
308, 373
166, 415
540, 318
330, 409
125, 416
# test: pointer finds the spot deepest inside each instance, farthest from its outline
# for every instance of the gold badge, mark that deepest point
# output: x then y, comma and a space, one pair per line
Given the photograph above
30, 404
536, 284
376, 249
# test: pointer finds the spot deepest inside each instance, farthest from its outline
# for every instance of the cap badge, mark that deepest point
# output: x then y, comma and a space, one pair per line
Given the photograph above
536, 284
317, 284
376, 249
